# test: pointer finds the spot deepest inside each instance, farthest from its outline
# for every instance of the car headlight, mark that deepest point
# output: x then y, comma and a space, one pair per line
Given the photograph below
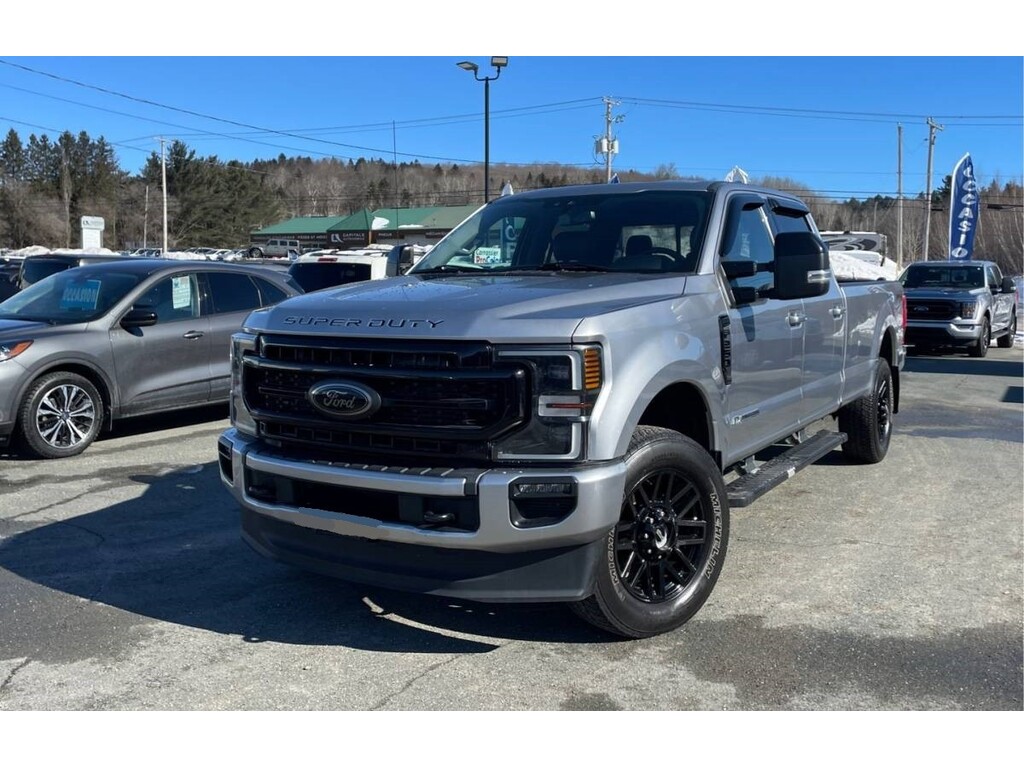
9, 350
566, 384
241, 419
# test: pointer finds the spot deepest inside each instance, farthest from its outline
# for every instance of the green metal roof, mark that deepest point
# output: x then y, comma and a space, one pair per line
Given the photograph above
303, 225
356, 222
433, 217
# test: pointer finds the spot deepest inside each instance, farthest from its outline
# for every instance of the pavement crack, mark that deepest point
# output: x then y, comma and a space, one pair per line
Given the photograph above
391, 697
10, 677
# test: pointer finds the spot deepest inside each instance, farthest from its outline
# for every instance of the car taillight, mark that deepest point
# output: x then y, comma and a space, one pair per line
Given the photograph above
904, 312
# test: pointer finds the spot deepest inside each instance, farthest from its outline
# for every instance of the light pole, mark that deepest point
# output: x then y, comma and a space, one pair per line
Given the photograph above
497, 62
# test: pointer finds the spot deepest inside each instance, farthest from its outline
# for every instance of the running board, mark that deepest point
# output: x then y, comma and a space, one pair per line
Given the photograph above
748, 488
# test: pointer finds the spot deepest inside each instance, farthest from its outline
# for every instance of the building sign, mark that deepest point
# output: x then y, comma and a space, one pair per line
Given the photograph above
92, 231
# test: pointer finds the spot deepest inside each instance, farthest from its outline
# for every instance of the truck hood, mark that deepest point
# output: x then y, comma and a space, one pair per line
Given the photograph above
530, 307
965, 294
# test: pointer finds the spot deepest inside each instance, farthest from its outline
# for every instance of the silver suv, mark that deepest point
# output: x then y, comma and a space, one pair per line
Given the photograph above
89, 345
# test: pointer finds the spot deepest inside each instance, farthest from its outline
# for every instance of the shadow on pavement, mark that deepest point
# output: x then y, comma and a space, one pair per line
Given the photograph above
965, 366
175, 554
138, 425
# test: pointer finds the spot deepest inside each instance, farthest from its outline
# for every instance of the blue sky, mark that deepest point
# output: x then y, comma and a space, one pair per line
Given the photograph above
827, 122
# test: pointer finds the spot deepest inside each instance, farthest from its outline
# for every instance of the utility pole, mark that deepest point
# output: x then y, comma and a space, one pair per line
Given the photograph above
163, 174
932, 128
65, 191
608, 145
145, 220
899, 195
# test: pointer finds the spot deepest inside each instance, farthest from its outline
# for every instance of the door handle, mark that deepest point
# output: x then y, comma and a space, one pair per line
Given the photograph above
193, 335
838, 312
795, 319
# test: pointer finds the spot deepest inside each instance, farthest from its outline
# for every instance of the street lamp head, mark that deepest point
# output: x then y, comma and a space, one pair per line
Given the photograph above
469, 66
499, 61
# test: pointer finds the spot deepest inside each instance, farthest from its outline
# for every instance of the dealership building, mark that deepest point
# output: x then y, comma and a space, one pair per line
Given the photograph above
388, 226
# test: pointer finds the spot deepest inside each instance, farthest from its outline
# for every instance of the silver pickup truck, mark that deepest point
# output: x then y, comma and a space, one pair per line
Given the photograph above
547, 407
962, 304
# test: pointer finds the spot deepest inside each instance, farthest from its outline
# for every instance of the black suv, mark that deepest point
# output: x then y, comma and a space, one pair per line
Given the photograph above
35, 268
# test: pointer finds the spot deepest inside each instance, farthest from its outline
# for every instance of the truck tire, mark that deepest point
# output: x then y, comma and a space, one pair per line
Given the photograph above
663, 557
980, 347
60, 416
867, 421
1006, 340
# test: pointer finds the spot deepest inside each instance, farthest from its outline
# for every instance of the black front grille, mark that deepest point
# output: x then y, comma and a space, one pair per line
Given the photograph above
435, 399
931, 310
366, 353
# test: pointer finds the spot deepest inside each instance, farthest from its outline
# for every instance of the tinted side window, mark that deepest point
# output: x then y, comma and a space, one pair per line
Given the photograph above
173, 298
784, 223
993, 278
232, 292
269, 293
752, 242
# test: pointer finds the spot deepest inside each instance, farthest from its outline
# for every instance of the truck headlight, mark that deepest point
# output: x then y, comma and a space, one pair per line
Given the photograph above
241, 419
967, 309
566, 384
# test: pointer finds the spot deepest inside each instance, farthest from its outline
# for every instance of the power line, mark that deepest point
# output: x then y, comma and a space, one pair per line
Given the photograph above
224, 120
858, 116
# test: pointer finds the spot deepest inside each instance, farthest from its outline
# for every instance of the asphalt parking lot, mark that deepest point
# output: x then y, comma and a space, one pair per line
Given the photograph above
124, 585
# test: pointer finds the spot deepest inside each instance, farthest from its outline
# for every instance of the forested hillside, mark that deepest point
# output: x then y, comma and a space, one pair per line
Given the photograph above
47, 184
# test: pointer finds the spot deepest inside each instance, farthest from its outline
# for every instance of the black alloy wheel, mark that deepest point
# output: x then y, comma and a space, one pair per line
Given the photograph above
661, 538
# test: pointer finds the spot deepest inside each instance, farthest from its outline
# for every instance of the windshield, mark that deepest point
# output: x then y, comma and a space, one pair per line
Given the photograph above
943, 276
653, 232
70, 296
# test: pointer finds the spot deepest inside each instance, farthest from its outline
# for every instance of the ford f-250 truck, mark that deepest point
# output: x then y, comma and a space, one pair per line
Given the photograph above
547, 406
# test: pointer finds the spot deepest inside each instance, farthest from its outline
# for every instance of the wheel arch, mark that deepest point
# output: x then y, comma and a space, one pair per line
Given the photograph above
887, 352
90, 372
682, 407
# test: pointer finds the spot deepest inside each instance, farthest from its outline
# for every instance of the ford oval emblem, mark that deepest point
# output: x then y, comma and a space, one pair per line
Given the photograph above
343, 399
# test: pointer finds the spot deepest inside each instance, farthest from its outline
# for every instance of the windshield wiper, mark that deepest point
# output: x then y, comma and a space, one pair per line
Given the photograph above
571, 266
47, 320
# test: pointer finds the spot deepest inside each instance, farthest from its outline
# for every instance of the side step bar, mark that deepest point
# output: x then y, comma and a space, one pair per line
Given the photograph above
748, 488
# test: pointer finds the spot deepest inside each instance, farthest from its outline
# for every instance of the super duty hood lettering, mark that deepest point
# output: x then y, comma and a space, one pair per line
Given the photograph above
351, 322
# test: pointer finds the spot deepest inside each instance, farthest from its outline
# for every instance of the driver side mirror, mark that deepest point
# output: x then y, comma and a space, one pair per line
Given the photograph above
802, 269
1008, 285
138, 318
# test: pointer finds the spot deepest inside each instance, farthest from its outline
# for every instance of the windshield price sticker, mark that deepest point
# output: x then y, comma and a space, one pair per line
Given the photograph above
81, 295
181, 292
487, 255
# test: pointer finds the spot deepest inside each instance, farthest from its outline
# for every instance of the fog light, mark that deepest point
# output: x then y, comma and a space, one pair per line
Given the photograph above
544, 488
541, 501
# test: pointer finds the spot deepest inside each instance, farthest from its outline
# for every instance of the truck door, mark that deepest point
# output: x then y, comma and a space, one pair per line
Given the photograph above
763, 398
824, 330
1002, 303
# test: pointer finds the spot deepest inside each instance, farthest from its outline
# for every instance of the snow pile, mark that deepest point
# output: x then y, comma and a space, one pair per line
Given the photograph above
39, 250
32, 250
847, 266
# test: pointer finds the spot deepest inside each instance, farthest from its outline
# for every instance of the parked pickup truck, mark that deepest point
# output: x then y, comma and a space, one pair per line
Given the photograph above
547, 406
961, 304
